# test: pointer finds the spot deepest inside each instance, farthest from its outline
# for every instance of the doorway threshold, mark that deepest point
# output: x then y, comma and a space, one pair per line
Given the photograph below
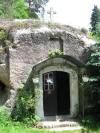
57, 118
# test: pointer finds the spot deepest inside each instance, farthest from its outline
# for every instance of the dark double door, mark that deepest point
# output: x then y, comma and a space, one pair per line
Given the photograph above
56, 93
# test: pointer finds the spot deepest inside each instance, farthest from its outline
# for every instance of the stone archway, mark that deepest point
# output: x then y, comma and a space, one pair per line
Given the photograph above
63, 66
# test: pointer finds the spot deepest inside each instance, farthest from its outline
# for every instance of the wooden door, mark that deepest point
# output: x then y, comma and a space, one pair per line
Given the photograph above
56, 93
49, 94
63, 93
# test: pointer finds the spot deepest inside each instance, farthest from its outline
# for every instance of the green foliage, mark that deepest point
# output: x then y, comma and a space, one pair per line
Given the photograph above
24, 107
1, 9
15, 9
19, 9
33, 15
94, 59
54, 53
3, 35
93, 65
95, 24
4, 116
20, 128
90, 124
7, 125
21, 109
98, 29
94, 37
97, 36
95, 19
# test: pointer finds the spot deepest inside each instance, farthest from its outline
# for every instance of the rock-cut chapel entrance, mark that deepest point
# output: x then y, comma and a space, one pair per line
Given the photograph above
56, 80
56, 93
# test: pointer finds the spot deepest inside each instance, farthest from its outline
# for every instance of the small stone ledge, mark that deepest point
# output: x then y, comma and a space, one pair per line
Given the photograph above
59, 125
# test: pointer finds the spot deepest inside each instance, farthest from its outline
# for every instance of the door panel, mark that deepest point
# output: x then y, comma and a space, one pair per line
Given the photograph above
49, 95
56, 93
63, 94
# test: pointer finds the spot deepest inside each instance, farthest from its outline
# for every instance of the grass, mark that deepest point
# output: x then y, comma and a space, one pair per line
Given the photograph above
7, 125
18, 127
22, 129
89, 125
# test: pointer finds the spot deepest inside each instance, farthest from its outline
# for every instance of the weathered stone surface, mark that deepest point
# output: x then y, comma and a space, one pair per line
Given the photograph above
31, 45
10, 102
2, 58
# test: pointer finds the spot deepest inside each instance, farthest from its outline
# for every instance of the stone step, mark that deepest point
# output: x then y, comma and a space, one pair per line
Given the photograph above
58, 124
66, 128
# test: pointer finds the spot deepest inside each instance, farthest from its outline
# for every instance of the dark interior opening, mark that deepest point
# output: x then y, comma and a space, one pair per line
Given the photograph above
3, 93
63, 93
56, 95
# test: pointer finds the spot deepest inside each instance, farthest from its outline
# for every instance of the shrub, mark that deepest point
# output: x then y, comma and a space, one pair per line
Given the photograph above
93, 74
24, 107
4, 116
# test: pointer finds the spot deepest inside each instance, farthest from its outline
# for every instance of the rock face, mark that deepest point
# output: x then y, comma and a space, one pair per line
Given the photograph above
31, 46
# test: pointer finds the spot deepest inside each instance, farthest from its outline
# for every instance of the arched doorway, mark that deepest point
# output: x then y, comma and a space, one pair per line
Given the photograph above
56, 93
65, 75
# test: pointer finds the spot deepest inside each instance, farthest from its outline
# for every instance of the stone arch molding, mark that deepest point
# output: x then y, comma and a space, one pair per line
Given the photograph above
57, 64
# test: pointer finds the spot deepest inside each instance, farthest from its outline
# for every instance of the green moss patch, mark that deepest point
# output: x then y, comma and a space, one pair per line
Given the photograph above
3, 34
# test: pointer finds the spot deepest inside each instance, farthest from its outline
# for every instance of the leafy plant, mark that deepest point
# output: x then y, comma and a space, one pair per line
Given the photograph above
55, 52
19, 9
93, 65
4, 116
24, 107
15, 9
3, 35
